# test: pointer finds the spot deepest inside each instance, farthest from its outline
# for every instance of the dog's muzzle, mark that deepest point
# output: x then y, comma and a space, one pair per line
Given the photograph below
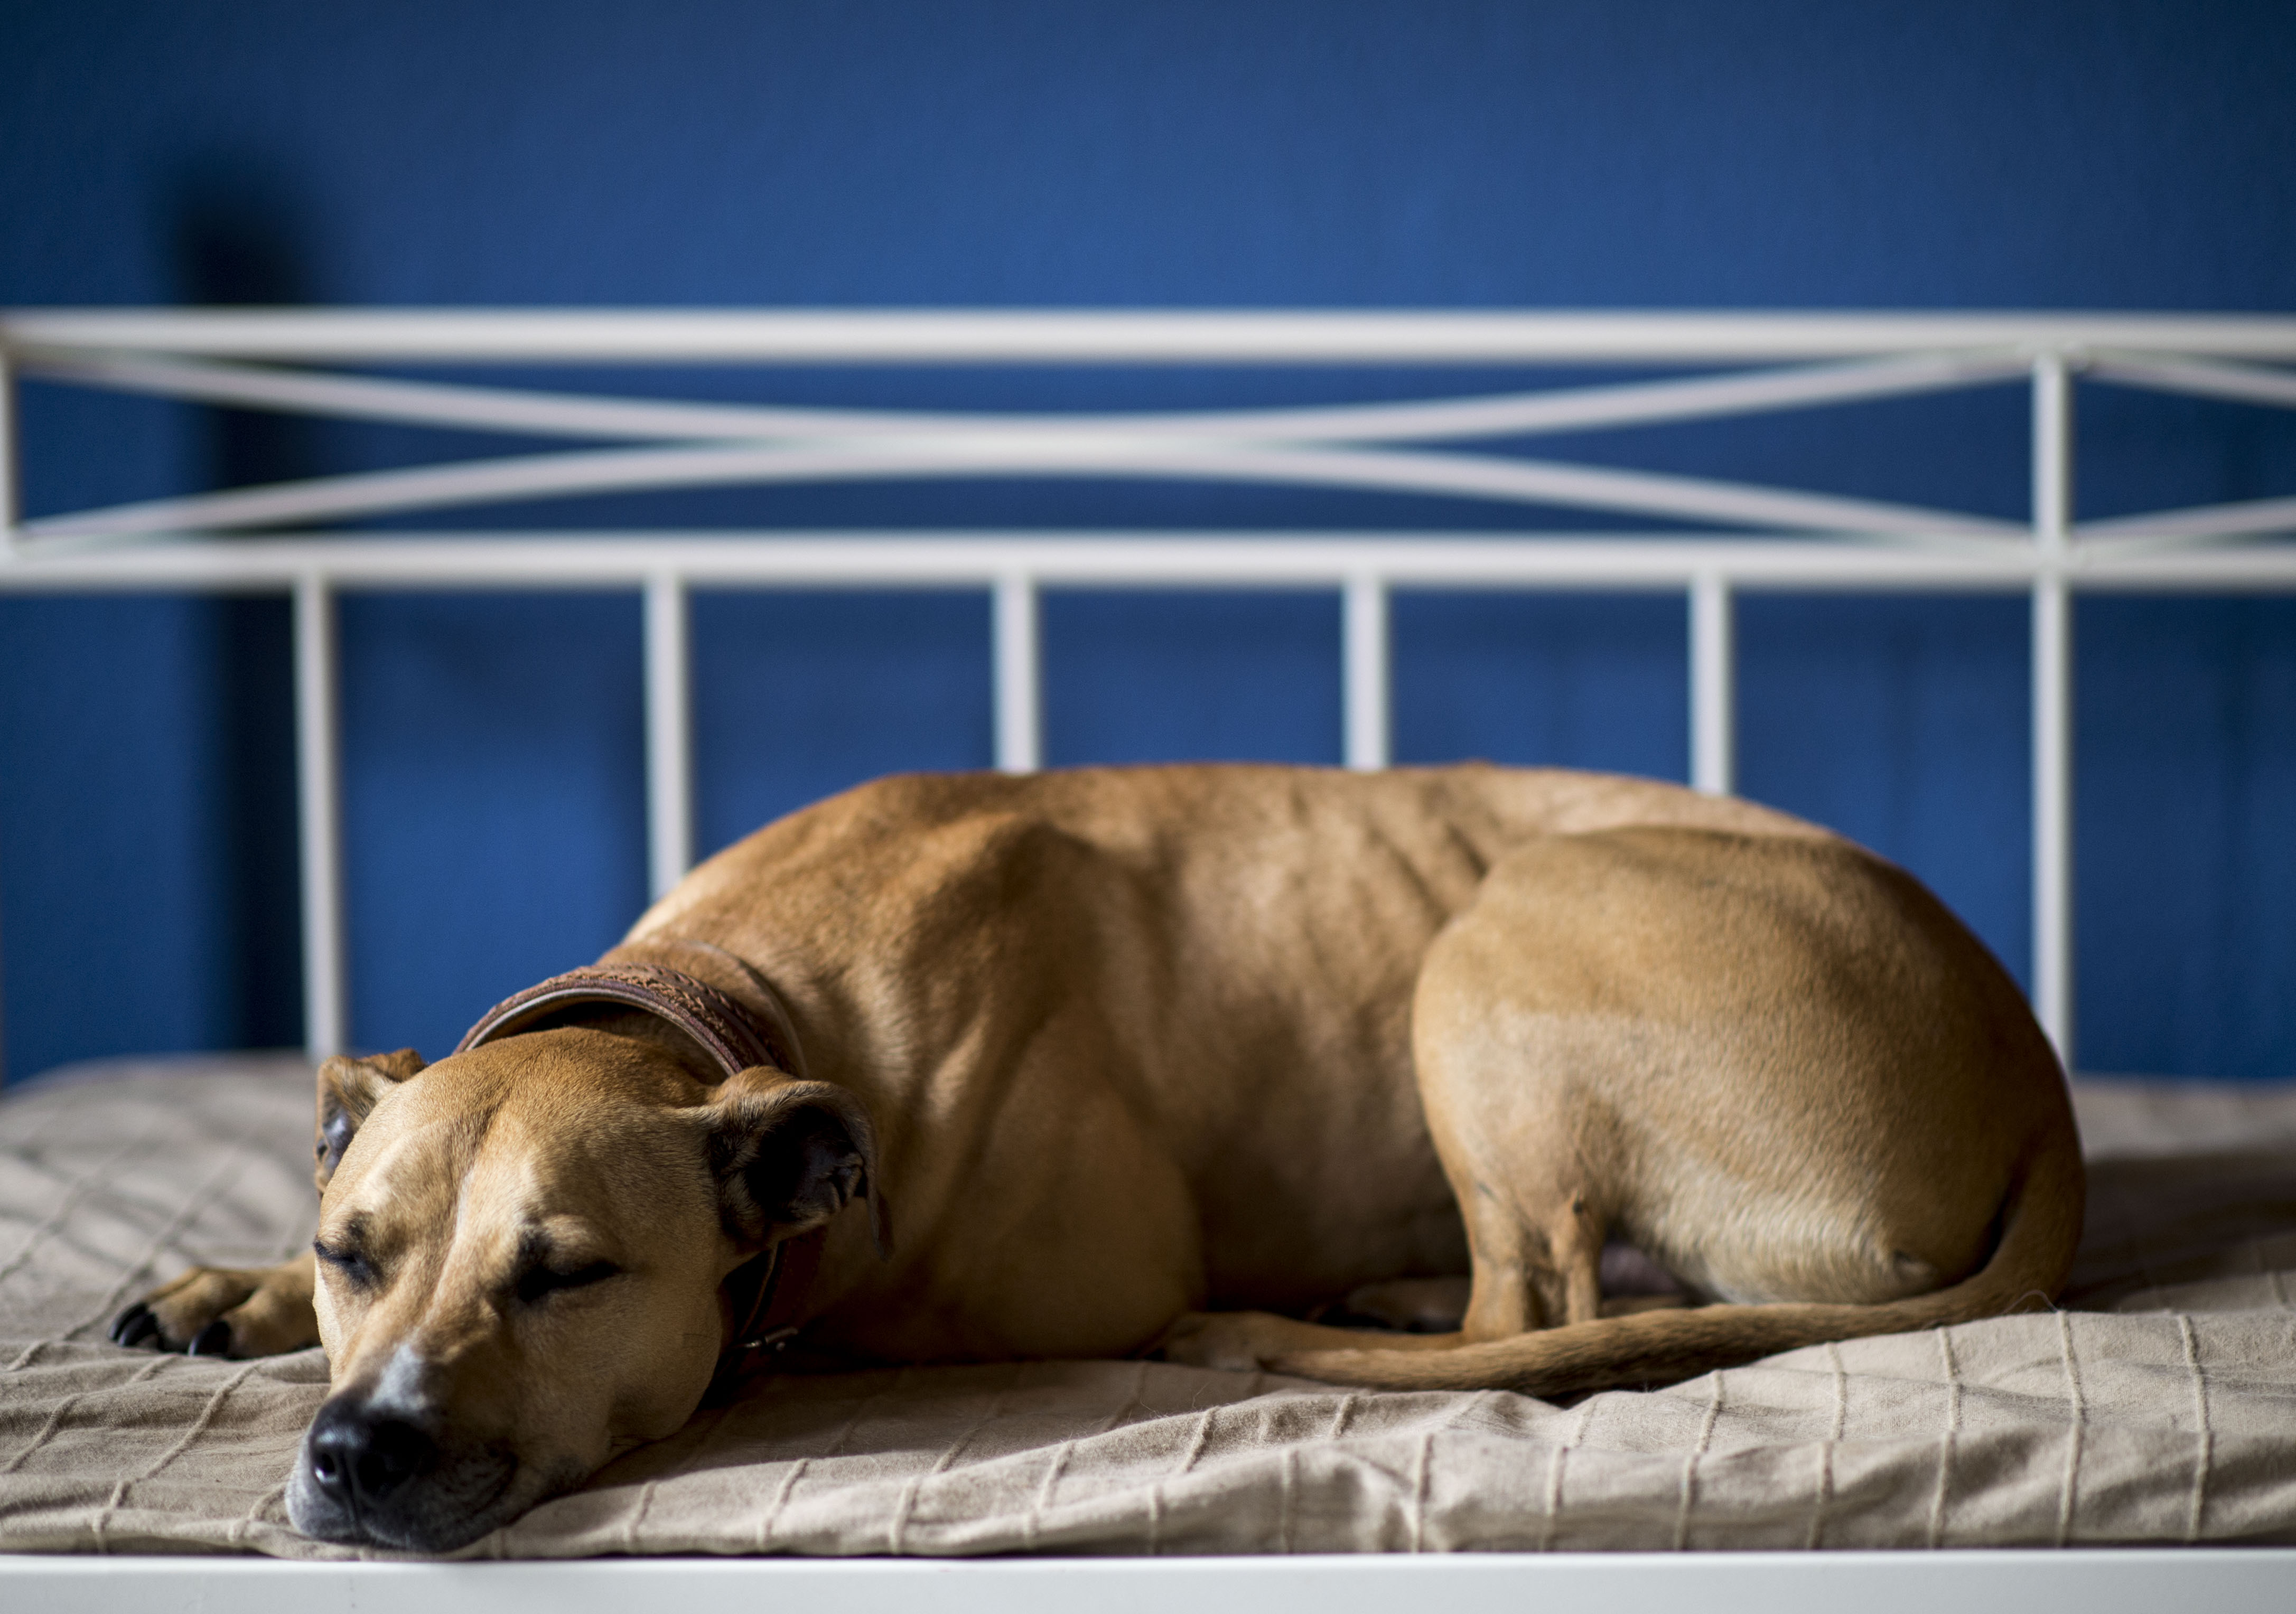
368, 1476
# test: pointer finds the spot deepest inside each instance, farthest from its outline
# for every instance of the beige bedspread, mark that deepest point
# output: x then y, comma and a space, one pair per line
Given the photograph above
2160, 1407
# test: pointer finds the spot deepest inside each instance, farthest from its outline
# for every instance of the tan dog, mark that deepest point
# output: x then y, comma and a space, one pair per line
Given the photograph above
1126, 1049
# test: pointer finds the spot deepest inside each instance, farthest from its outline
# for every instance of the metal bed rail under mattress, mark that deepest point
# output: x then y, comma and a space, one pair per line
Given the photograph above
2087, 1581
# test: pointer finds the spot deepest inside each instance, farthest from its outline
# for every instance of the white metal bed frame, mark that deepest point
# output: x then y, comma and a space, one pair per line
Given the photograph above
1779, 538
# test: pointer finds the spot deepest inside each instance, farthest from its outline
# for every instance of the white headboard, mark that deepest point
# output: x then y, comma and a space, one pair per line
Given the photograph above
1774, 537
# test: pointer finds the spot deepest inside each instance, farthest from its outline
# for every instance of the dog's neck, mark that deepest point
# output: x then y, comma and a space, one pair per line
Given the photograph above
766, 1296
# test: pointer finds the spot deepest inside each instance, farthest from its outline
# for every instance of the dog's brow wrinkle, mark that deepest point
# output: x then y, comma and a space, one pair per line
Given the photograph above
462, 1196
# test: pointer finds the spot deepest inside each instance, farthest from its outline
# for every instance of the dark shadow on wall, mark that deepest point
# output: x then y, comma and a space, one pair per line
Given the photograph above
241, 236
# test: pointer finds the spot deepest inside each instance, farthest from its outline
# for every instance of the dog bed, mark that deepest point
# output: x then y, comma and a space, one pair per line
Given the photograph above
2158, 1407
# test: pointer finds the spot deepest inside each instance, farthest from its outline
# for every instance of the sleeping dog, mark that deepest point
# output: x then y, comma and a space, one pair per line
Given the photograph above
1115, 1062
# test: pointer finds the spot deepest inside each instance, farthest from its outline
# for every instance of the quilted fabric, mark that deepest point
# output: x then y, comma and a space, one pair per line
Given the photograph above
2159, 1406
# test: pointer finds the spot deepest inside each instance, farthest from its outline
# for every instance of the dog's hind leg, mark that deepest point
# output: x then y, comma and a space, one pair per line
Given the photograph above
1529, 1149
1530, 1156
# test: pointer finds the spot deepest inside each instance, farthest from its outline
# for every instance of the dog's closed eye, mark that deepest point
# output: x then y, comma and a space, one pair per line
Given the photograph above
350, 1261
539, 1279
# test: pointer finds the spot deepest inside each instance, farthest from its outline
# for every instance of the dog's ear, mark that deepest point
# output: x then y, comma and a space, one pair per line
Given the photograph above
347, 1089
789, 1155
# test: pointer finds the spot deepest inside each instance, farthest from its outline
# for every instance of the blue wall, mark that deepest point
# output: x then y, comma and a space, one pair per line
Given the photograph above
1325, 153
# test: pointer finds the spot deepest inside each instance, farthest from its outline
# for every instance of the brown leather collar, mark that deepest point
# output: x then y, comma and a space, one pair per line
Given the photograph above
767, 1292
735, 1037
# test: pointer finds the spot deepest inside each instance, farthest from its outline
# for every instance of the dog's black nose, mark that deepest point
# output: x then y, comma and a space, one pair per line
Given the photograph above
358, 1457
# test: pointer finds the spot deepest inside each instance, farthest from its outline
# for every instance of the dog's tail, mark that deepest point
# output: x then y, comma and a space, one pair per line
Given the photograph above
2040, 1222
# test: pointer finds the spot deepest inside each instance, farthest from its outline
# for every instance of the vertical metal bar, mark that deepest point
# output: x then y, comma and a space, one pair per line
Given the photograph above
2053, 941
1020, 690
1365, 690
1713, 686
2052, 705
669, 734
9, 511
317, 780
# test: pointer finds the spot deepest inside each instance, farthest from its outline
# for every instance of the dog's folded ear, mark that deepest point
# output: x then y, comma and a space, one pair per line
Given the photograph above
789, 1155
347, 1089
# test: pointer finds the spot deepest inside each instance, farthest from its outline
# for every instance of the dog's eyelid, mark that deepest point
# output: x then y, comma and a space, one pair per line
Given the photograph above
539, 1281
348, 1260
564, 1249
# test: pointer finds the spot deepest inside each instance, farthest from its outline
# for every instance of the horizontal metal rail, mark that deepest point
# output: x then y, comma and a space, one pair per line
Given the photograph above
963, 559
1211, 337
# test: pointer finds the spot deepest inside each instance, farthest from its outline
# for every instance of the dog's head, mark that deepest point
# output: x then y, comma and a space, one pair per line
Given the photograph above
520, 1255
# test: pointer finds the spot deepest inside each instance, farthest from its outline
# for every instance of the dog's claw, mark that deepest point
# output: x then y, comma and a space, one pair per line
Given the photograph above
213, 1340
133, 1326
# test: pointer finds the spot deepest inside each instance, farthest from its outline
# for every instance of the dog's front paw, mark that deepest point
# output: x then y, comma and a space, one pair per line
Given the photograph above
1234, 1341
219, 1311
